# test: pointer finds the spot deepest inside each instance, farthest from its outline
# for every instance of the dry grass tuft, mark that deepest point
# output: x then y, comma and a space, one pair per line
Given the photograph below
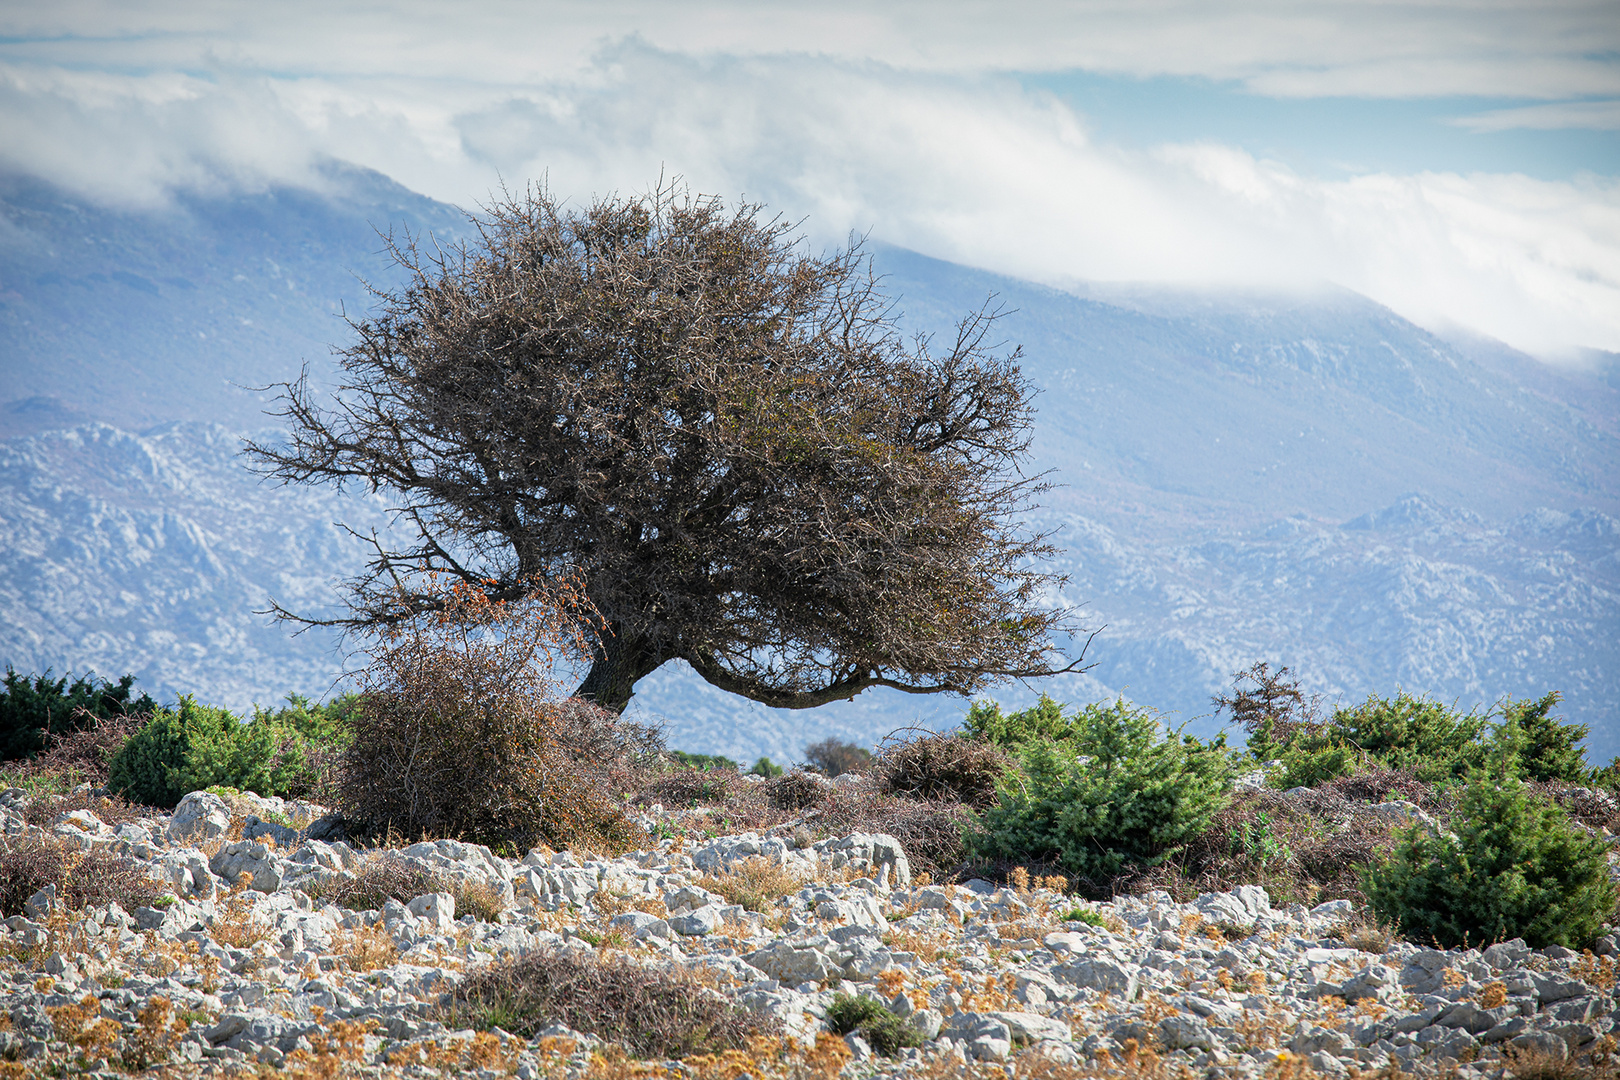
756, 883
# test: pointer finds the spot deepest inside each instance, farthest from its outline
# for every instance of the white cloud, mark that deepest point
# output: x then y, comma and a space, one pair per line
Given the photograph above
1563, 115
968, 167
1551, 49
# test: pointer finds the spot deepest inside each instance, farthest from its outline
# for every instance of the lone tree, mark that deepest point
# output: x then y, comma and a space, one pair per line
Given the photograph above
728, 436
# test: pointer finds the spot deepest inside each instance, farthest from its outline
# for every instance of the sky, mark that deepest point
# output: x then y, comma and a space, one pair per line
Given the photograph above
1458, 161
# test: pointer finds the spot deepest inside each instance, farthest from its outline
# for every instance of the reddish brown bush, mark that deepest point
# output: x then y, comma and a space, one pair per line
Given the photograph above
796, 790
681, 785
80, 754
383, 876
459, 733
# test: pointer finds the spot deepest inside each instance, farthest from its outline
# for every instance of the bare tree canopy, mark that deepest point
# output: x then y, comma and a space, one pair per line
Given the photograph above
728, 436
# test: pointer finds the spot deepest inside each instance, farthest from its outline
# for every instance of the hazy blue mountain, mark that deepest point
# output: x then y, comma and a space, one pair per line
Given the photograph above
1306, 479
135, 319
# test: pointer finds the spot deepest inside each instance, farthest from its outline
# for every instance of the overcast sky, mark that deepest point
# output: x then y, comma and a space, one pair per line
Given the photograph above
1458, 161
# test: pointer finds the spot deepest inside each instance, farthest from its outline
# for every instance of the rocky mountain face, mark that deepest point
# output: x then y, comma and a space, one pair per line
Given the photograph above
1305, 479
150, 554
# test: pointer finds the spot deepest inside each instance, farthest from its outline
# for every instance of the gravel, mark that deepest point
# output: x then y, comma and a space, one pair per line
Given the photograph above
1226, 985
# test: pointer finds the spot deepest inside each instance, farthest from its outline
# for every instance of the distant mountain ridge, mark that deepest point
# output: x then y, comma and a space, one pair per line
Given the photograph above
1239, 475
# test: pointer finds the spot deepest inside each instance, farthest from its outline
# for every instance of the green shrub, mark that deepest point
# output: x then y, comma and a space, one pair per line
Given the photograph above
1546, 748
704, 761
885, 1032
1079, 913
29, 708
193, 747
1041, 722
1116, 791
1408, 732
1516, 867
766, 767
1311, 759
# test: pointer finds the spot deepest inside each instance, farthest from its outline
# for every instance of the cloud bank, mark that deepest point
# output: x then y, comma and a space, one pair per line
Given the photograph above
897, 122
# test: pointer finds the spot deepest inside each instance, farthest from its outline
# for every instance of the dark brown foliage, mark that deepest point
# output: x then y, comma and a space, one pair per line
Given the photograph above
755, 470
835, 757
459, 733
1592, 807
943, 765
1378, 785
656, 1013
682, 785
929, 831
82, 878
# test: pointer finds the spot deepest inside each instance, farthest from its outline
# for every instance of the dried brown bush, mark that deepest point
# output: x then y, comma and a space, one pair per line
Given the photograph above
682, 785
82, 878
655, 1012
110, 809
1378, 785
384, 876
1320, 848
929, 831
755, 883
796, 790
1592, 807
943, 766
79, 755
459, 733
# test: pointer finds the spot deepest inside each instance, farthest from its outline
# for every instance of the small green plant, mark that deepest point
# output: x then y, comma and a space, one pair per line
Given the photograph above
1117, 791
194, 747
765, 767
885, 1032
1254, 840
1516, 867
1081, 913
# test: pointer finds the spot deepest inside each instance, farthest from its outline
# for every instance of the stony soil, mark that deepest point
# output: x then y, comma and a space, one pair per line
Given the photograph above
240, 969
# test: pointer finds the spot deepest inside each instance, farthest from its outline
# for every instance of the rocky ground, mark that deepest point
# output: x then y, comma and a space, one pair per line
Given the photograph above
247, 964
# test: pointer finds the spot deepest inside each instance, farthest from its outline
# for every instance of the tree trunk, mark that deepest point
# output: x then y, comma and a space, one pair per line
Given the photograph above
618, 665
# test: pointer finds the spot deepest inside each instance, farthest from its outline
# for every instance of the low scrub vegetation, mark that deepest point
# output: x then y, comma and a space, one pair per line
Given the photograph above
1452, 826
80, 878
655, 1012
